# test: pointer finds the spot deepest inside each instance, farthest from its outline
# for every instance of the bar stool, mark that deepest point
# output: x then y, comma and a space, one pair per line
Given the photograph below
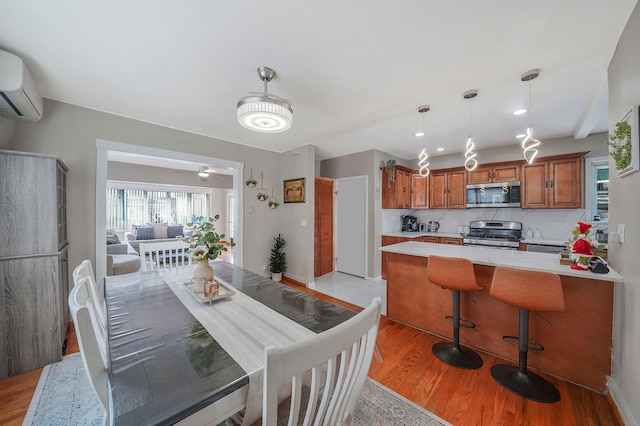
528, 291
456, 275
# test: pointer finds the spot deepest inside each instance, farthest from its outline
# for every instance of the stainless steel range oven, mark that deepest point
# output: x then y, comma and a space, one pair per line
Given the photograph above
501, 234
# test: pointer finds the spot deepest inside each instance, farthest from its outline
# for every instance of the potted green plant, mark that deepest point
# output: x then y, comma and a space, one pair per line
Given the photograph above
204, 244
278, 258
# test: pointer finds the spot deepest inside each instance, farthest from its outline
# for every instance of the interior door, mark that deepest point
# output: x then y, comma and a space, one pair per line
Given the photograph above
351, 225
323, 233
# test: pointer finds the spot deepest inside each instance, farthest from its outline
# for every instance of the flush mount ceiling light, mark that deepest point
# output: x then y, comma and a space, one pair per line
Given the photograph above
262, 112
423, 157
470, 162
203, 172
529, 143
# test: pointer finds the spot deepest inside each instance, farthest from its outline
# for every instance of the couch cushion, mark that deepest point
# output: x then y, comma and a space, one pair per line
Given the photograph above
112, 237
174, 231
159, 230
143, 232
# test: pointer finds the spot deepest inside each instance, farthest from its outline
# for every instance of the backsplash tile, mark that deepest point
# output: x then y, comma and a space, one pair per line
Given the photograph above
553, 224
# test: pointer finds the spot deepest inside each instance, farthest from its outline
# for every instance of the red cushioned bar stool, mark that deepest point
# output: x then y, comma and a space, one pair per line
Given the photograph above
528, 291
458, 276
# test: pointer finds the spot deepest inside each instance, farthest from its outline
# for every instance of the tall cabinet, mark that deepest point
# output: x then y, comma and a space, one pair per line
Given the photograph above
33, 261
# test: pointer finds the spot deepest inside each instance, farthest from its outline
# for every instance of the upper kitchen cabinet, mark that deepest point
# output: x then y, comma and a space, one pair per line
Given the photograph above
553, 182
447, 189
396, 194
503, 172
419, 191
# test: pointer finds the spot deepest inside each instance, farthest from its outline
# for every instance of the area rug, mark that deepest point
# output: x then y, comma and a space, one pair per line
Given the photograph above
64, 397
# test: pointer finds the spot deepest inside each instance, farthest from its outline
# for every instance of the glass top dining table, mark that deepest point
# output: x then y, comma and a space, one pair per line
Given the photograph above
172, 357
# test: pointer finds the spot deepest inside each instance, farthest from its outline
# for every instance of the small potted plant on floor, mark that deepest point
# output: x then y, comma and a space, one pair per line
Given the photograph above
278, 258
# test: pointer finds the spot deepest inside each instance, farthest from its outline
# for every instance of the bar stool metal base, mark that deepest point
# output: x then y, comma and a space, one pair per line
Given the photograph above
457, 356
528, 385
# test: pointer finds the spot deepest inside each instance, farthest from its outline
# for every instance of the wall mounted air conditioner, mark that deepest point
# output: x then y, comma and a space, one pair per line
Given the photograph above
19, 97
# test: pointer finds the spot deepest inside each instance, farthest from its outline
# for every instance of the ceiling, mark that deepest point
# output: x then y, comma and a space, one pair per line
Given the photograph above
354, 71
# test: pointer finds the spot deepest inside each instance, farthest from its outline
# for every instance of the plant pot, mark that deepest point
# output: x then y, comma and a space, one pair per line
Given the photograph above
276, 276
201, 276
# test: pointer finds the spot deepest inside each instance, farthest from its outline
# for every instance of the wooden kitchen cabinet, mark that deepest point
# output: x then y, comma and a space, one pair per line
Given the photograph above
397, 194
419, 191
447, 189
387, 241
441, 240
553, 182
504, 172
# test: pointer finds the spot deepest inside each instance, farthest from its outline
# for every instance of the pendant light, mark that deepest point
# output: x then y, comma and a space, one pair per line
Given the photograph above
470, 162
423, 157
529, 143
262, 112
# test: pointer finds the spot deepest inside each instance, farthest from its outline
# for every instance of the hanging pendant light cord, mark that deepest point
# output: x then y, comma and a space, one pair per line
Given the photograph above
529, 143
423, 157
470, 162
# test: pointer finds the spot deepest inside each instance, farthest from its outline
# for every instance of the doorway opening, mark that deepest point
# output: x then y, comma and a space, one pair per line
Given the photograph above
103, 148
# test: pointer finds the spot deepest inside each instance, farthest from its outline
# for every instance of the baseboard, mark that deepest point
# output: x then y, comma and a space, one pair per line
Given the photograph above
618, 405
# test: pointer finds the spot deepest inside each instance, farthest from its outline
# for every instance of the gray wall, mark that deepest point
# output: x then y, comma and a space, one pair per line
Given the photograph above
70, 132
7, 127
137, 173
624, 91
295, 164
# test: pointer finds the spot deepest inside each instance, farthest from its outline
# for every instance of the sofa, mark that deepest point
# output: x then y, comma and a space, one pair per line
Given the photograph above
154, 233
121, 257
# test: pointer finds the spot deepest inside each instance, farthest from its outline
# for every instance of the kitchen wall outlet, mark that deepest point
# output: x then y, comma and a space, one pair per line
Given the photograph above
265, 267
614, 237
621, 232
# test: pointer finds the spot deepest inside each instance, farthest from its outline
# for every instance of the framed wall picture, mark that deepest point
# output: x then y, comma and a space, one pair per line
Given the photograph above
294, 190
625, 143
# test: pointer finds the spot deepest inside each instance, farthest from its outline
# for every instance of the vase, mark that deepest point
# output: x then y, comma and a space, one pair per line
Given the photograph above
276, 276
201, 276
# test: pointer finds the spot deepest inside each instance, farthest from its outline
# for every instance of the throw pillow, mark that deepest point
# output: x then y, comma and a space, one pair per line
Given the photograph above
112, 237
142, 232
174, 231
159, 230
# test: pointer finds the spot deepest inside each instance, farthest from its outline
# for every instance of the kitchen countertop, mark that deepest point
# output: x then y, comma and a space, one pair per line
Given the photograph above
421, 234
488, 256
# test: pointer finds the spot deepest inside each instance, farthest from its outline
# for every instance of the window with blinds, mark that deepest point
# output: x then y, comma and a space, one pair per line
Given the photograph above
128, 206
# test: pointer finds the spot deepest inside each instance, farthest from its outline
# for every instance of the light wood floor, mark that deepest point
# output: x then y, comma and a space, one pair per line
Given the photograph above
462, 397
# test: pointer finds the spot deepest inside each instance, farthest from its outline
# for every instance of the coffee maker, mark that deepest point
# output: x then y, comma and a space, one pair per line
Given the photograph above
409, 223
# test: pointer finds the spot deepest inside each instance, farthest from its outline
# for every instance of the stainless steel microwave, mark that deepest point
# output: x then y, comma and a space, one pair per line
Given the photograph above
506, 194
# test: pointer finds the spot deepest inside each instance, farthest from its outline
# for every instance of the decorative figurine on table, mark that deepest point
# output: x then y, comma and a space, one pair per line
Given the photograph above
582, 247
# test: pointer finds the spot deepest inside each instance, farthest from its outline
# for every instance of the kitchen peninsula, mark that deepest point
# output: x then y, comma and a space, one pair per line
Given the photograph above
577, 341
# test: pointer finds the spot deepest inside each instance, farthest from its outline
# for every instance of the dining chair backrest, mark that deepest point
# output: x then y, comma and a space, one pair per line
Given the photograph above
92, 344
338, 361
84, 270
165, 255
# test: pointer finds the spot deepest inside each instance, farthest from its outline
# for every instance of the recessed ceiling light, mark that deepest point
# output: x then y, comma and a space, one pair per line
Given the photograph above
419, 134
440, 149
519, 111
520, 136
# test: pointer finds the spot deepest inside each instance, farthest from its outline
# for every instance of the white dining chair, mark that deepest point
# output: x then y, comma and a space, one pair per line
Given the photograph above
93, 345
164, 255
85, 271
338, 361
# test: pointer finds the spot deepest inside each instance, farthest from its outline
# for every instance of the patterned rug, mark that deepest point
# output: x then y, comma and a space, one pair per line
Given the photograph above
64, 397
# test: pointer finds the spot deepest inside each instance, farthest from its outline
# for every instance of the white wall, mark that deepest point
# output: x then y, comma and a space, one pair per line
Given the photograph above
596, 144
624, 206
70, 132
